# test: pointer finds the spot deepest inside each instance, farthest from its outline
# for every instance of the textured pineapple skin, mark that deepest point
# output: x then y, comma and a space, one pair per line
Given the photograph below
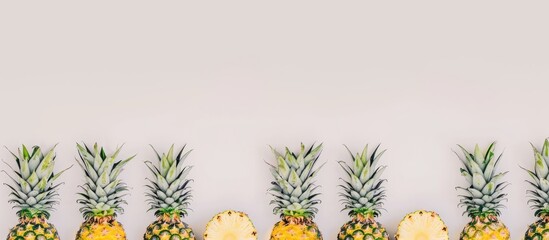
285, 230
362, 230
104, 230
32, 231
166, 230
538, 230
485, 229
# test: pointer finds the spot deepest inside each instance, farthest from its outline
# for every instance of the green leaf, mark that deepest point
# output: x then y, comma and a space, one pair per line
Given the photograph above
172, 173
283, 168
25, 153
479, 158
541, 167
104, 179
45, 169
294, 179
478, 181
33, 179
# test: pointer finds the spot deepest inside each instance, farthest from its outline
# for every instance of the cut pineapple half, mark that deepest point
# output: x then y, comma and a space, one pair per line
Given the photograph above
422, 225
230, 225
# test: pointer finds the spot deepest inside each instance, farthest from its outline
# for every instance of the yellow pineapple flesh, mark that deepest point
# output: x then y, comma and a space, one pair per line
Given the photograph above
422, 225
230, 225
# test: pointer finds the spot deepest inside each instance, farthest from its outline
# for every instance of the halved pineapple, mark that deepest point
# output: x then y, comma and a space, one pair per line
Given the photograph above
230, 225
422, 225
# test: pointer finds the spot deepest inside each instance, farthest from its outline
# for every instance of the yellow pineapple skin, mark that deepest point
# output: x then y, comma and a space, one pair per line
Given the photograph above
168, 228
487, 228
362, 229
101, 228
31, 229
538, 230
291, 228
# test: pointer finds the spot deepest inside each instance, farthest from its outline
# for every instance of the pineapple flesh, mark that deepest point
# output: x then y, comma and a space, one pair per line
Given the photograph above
483, 196
33, 193
169, 195
422, 225
363, 196
295, 194
539, 195
230, 225
102, 194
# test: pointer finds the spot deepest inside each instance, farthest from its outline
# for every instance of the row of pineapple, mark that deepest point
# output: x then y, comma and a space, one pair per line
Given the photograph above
34, 193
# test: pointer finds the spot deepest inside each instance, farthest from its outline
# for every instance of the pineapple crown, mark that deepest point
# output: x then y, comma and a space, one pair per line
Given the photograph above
539, 195
293, 188
169, 190
483, 197
33, 191
102, 194
363, 193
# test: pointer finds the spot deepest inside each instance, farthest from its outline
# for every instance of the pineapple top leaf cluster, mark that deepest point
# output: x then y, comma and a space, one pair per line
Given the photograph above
293, 189
33, 190
169, 190
363, 193
483, 196
539, 195
102, 194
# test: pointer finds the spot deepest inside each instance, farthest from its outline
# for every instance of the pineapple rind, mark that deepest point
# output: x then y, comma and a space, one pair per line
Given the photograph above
362, 230
33, 230
538, 230
485, 229
168, 230
102, 230
289, 230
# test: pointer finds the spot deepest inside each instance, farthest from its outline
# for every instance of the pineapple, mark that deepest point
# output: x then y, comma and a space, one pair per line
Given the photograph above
539, 200
483, 196
102, 194
295, 194
34, 193
363, 195
169, 194
422, 225
230, 225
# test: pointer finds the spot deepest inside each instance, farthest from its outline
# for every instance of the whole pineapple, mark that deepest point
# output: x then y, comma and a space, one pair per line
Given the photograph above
539, 194
34, 193
483, 196
295, 194
102, 194
363, 195
169, 194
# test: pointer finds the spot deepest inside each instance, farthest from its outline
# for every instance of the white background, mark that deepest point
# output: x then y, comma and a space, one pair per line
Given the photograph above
232, 77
